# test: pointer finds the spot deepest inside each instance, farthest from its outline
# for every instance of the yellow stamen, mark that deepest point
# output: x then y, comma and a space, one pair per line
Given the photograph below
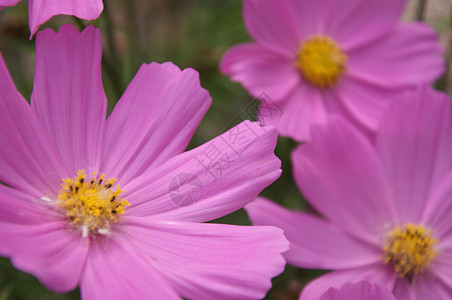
93, 205
321, 61
410, 250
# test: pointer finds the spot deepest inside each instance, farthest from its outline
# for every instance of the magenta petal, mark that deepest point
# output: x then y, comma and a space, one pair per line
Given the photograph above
377, 273
209, 181
356, 22
274, 24
341, 175
362, 290
388, 62
314, 243
261, 70
295, 116
49, 251
28, 161
154, 120
415, 148
4, 3
39, 11
115, 270
68, 96
426, 286
211, 261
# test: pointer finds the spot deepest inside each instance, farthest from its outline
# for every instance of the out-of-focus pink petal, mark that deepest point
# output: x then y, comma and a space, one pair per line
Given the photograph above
21, 208
116, 270
211, 261
441, 267
362, 290
49, 251
355, 22
274, 24
154, 120
378, 273
4, 3
425, 286
363, 101
28, 161
68, 96
388, 62
314, 243
39, 11
210, 181
341, 175
414, 143
295, 116
261, 70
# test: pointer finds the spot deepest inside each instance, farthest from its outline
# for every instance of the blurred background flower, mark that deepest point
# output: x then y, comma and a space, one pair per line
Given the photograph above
191, 33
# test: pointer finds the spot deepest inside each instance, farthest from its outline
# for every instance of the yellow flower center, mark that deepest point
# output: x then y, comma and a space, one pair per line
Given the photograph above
91, 206
321, 61
410, 250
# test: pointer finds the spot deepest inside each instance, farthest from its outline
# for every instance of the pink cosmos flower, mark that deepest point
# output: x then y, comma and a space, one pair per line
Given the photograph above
125, 222
386, 206
40, 11
314, 58
358, 291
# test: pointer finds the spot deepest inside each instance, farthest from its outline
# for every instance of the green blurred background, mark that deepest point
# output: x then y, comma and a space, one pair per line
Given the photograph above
190, 33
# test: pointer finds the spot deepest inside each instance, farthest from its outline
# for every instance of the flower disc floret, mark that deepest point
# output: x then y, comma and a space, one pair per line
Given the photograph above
321, 61
410, 250
92, 205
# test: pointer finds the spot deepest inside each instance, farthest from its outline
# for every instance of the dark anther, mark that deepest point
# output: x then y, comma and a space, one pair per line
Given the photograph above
113, 211
76, 189
100, 181
108, 185
71, 188
82, 180
112, 198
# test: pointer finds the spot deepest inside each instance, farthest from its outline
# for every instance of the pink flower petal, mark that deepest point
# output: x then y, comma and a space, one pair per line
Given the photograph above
342, 177
388, 62
295, 116
426, 286
261, 70
28, 161
314, 243
361, 290
49, 251
209, 181
4, 3
273, 24
39, 11
377, 273
68, 96
441, 267
415, 149
355, 22
21, 208
116, 270
211, 261
154, 120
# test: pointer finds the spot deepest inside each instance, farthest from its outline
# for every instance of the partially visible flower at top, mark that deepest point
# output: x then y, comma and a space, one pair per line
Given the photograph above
314, 58
386, 205
115, 225
362, 290
40, 11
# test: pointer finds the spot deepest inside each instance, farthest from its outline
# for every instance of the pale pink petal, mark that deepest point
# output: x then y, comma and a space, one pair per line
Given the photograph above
295, 116
261, 70
28, 161
153, 121
4, 3
388, 62
49, 251
314, 243
273, 24
209, 181
377, 273
210, 261
310, 16
441, 267
21, 208
356, 22
414, 142
341, 175
363, 101
423, 287
39, 11
115, 270
362, 290
68, 96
